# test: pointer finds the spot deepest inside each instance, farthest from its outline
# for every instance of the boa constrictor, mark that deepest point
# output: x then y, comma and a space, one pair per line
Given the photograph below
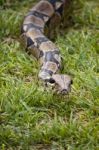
39, 25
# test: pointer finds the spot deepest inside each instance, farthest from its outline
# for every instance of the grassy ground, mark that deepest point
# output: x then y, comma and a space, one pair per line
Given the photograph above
31, 119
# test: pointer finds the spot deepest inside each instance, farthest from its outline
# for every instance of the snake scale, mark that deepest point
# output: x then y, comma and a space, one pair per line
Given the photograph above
39, 25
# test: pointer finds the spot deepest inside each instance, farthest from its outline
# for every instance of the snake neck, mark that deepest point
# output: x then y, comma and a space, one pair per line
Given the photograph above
50, 64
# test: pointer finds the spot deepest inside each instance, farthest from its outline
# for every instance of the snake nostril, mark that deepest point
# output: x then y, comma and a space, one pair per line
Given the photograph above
64, 91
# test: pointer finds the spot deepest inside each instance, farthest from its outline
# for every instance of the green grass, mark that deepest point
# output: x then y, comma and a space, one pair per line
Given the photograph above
33, 119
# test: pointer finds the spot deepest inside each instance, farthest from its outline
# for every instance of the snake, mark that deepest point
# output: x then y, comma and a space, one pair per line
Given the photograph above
39, 26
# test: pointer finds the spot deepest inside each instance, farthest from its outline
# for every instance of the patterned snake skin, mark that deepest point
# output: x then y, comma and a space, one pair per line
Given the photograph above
39, 25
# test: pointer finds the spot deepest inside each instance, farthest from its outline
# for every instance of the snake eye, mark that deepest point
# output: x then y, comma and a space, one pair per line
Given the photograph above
51, 81
71, 82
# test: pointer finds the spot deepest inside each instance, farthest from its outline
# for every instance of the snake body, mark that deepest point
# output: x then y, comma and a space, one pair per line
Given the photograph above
39, 25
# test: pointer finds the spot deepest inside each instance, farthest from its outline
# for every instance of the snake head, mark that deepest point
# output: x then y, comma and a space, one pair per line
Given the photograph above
62, 83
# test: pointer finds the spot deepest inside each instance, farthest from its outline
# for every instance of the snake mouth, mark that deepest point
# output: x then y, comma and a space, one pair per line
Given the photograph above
64, 92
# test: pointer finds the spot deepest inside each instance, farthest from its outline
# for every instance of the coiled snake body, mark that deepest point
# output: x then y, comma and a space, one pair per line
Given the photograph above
44, 19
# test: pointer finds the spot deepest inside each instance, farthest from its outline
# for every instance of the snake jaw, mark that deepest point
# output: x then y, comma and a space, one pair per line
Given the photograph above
63, 83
